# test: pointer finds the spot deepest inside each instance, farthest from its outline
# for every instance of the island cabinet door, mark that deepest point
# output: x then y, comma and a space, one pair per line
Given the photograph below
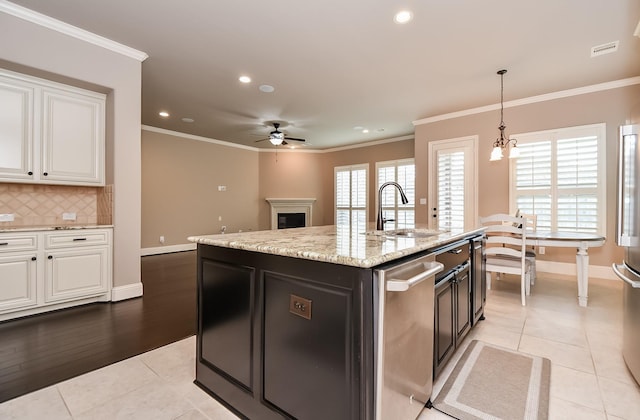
308, 347
225, 320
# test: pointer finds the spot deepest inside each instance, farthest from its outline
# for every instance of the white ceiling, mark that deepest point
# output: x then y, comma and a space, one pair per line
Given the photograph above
338, 64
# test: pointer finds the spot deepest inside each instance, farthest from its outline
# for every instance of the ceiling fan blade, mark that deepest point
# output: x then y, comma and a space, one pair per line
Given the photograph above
295, 139
257, 141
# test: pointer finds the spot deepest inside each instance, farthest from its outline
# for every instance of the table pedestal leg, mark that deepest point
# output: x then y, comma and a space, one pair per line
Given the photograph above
582, 268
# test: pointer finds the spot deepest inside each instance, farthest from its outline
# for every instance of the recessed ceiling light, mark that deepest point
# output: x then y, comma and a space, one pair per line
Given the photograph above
403, 16
267, 88
163, 114
188, 120
365, 131
244, 79
380, 130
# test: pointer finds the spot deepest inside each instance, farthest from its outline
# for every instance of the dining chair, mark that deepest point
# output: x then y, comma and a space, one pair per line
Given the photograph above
506, 249
531, 224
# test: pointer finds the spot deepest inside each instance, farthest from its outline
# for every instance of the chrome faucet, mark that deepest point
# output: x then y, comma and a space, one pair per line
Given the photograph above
380, 221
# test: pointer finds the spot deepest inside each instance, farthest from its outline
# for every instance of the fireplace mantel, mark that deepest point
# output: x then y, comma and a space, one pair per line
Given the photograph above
290, 205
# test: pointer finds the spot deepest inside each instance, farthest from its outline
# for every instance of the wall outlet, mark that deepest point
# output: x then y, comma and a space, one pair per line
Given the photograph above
7, 217
161, 239
68, 216
222, 188
541, 250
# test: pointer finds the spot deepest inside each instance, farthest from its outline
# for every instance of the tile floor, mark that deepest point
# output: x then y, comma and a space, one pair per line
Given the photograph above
588, 381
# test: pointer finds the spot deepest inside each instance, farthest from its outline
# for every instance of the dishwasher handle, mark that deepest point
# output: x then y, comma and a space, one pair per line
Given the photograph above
618, 269
400, 285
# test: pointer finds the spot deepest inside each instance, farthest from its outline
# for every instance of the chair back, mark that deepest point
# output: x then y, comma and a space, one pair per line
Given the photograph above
506, 235
531, 221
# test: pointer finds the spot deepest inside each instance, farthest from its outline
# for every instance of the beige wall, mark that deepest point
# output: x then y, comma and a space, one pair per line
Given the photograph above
291, 174
71, 60
371, 154
613, 107
180, 197
181, 174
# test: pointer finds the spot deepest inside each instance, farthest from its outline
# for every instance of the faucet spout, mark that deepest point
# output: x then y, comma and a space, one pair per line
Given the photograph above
380, 220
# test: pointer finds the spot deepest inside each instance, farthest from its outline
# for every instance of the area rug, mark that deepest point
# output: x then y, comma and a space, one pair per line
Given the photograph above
494, 383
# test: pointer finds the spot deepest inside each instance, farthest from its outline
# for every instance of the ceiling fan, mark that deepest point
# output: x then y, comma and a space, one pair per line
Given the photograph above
277, 137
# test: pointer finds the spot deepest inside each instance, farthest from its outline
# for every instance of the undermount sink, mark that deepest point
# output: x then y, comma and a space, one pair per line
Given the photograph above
405, 233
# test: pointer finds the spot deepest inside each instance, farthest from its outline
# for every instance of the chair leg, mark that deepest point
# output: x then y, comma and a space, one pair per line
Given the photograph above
488, 280
523, 281
527, 282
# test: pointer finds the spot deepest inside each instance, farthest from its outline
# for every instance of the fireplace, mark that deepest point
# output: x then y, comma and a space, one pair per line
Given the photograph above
290, 212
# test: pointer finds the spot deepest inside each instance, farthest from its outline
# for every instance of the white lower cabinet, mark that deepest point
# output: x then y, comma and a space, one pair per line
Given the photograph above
43, 271
18, 281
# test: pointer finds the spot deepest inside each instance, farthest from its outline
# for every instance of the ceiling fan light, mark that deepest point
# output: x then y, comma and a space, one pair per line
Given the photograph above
276, 140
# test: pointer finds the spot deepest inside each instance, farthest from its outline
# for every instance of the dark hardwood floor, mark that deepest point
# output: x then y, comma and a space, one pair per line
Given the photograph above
44, 349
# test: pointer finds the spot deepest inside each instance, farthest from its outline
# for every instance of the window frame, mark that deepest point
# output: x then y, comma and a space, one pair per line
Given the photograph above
398, 206
351, 208
554, 135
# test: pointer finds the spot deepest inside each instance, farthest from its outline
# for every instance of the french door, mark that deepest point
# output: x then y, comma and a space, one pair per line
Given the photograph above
453, 174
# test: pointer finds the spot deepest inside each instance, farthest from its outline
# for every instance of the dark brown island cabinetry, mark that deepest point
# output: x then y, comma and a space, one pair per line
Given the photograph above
283, 337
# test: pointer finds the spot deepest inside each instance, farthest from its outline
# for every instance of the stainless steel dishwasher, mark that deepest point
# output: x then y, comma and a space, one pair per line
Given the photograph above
404, 348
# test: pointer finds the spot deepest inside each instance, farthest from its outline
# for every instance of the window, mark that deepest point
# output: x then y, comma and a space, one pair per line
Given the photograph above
351, 195
560, 177
404, 173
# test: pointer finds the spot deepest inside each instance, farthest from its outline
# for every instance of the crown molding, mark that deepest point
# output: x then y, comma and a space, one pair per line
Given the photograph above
67, 29
533, 99
274, 150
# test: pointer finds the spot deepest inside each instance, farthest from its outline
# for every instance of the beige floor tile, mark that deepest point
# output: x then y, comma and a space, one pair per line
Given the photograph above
192, 415
45, 403
499, 337
575, 386
562, 410
154, 400
621, 399
95, 388
432, 414
560, 354
610, 364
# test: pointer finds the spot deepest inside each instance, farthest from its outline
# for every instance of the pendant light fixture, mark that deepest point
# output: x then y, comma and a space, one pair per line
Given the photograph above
502, 142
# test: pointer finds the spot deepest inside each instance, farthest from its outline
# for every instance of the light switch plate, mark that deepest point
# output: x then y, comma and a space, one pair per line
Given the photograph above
7, 217
68, 216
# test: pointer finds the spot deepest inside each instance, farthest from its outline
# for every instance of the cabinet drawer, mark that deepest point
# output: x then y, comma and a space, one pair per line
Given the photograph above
11, 243
76, 238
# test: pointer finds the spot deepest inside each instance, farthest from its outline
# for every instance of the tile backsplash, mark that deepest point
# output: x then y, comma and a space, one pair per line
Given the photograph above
43, 205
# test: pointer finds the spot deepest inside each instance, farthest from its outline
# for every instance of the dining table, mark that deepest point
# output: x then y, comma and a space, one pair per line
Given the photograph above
581, 241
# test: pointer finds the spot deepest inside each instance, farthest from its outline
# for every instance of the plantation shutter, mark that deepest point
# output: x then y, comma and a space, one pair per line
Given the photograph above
451, 201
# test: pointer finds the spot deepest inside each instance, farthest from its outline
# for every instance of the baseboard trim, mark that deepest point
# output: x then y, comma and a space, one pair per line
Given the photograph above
128, 291
167, 249
595, 271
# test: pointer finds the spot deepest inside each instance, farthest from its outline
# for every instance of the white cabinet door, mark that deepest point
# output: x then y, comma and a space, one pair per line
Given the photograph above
16, 129
72, 137
18, 277
75, 273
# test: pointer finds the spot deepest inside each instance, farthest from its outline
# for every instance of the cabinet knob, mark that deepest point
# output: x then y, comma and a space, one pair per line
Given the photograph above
46, 173
33, 258
30, 173
50, 257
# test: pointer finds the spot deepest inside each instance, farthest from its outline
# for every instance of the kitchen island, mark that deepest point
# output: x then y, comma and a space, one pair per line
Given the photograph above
287, 319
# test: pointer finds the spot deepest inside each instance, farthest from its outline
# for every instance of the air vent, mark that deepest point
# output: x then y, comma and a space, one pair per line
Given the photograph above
607, 48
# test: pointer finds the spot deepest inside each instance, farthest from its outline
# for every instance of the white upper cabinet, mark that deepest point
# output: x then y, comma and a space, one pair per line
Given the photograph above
50, 133
16, 129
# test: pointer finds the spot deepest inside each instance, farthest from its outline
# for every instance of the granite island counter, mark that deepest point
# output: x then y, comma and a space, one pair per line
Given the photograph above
287, 319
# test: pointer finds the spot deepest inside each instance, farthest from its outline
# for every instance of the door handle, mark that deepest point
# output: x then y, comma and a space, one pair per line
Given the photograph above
400, 285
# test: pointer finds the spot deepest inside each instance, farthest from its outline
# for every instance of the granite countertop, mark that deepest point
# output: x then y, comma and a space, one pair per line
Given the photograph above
5, 229
336, 243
